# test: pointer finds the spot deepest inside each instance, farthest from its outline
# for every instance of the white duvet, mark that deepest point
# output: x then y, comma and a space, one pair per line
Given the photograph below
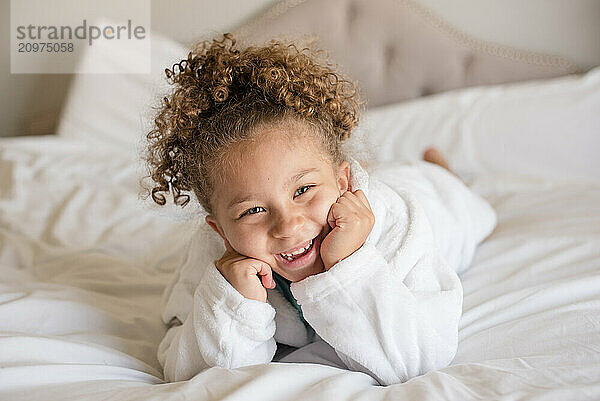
84, 261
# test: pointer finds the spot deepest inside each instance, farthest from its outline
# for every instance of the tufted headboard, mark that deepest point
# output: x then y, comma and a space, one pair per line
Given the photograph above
397, 49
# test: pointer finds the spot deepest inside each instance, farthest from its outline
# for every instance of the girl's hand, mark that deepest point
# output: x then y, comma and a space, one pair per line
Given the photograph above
351, 220
241, 272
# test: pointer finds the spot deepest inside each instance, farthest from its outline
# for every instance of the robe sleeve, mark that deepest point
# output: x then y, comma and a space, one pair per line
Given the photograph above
220, 327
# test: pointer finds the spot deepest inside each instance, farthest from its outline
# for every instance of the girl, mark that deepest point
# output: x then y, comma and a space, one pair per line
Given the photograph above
303, 250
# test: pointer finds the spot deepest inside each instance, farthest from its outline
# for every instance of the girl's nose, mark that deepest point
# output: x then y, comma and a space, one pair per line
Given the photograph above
288, 224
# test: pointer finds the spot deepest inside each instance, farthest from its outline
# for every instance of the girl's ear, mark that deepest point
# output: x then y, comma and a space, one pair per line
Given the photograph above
343, 176
212, 222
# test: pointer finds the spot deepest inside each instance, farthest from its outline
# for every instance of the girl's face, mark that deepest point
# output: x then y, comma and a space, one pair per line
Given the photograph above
275, 198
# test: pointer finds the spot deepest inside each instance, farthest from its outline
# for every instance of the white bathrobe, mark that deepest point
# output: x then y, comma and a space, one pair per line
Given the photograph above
391, 309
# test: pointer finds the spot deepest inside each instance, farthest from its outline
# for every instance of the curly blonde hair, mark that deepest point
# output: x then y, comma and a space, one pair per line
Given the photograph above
223, 94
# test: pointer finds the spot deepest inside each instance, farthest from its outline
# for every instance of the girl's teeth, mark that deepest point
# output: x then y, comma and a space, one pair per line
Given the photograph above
289, 256
299, 251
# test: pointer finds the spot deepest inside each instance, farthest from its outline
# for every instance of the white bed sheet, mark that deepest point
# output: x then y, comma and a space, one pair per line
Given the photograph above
83, 263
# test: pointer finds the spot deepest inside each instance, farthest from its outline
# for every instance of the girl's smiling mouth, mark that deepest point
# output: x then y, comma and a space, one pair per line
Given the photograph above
295, 252
306, 257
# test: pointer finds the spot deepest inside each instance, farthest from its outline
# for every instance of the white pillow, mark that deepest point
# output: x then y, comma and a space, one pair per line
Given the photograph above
546, 129
115, 109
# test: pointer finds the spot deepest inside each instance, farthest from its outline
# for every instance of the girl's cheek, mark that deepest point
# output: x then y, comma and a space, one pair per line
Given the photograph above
323, 205
248, 242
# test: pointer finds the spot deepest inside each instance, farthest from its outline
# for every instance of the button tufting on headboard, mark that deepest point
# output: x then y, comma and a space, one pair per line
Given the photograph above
351, 12
389, 51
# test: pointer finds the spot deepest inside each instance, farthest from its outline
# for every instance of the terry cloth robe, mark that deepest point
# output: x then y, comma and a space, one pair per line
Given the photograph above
391, 309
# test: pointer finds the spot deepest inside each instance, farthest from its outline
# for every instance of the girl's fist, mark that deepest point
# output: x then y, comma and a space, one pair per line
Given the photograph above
351, 220
241, 272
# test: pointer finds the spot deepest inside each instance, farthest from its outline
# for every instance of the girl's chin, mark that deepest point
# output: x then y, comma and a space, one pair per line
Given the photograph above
301, 274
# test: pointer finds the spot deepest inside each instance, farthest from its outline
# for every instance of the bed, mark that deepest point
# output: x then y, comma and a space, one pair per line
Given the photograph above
84, 258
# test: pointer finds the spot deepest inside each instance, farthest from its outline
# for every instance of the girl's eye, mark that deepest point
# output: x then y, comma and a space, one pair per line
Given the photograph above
300, 189
250, 210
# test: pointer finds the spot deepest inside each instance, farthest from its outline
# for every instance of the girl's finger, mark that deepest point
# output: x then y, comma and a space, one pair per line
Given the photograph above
352, 202
266, 274
358, 199
338, 212
333, 212
352, 199
362, 197
330, 218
